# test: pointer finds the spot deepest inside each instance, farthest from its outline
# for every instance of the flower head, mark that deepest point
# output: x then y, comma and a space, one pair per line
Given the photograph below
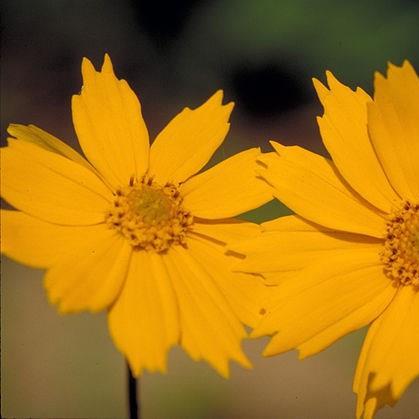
350, 255
132, 228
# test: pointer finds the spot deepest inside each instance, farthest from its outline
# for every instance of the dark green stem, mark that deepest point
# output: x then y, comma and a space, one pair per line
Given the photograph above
133, 399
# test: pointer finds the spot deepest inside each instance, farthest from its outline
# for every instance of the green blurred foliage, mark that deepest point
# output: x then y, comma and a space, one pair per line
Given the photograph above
351, 38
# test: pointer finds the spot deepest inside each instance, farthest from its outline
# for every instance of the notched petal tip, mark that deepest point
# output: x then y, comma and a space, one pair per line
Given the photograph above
87, 69
321, 90
378, 77
216, 101
407, 66
245, 363
107, 65
228, 107
334, 83
269, 351
217, 97
331, 79
278, 147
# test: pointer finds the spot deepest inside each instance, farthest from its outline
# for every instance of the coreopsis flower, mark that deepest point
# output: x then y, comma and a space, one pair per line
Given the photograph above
133, 229
350, 255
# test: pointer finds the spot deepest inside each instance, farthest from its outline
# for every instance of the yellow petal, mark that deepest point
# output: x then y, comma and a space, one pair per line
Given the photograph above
39, 244
360, 317
330, 295
245, 293
366, 408
41, 138
187, 143
109, 125
225, 231
51, 187
144, 321
227, 189
393, 121
91, 274
210, 330
345, 134
292, 223
291, 244
389, 358
309, 185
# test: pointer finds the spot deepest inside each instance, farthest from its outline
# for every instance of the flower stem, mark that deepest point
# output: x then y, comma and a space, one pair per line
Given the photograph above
133, 389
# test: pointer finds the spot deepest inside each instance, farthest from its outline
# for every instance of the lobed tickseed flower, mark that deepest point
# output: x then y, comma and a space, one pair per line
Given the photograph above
350, 255
133, 229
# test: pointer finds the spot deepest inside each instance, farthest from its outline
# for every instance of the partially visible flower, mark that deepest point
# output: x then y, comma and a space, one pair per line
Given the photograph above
132, 229
350, 257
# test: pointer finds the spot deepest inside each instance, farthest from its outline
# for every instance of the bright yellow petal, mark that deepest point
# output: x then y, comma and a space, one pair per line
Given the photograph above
91, 274
366, 408
309, 185
209, 328
389, 358
336, 295
109, 125
393, 121
227, 189
292, 223
41, 138
144, 321
187, 143
289, 244
345, 134
39, 244
51, 187
245, 293
225, 231
357, 319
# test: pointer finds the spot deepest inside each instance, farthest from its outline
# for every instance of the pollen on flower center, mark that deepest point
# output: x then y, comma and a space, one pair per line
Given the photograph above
401, 247
149, 216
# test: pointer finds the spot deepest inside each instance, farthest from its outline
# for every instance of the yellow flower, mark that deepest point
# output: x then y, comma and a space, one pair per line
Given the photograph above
132, 229
350, 257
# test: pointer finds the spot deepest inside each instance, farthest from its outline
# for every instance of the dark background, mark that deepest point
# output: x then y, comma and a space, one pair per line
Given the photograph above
175, 54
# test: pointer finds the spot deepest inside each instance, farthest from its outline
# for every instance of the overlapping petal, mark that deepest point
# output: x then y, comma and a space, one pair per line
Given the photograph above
290, 244
52, 187
394, 129
39, 244
210, 329
245, 293
330, 298
144, 321
389, 361
189, 140
43, 139
109, 125
227, 189
308, 184
225, 231
91, 274
345, 134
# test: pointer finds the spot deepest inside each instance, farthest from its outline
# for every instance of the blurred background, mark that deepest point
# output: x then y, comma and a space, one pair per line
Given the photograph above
175, 54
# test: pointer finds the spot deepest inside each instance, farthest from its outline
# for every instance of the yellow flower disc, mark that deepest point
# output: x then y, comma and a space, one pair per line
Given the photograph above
150, 216
401, 247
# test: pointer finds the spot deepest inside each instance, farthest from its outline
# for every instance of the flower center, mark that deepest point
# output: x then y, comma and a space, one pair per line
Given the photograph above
401, 247
150, 216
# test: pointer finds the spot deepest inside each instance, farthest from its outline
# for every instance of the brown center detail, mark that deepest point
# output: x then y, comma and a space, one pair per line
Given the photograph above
150, 216
401, 247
